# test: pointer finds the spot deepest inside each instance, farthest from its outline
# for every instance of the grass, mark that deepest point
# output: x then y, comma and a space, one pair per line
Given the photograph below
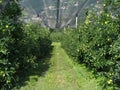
63, 74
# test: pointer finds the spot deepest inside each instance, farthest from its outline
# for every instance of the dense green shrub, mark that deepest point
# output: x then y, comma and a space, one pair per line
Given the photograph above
11, 35
70, 42
98, 42
56, 35
20, 46
99, 39
38, 39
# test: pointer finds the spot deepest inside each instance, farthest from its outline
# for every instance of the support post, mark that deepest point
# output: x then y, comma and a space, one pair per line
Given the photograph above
76, 23
58, 12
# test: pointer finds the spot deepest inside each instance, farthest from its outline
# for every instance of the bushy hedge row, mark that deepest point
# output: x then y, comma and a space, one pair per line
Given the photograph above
20, 46
70, 42
69, 39
99, 42
38, 38
56, 35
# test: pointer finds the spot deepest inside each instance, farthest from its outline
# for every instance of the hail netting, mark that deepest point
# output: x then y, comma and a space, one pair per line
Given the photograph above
55, 13
3, 4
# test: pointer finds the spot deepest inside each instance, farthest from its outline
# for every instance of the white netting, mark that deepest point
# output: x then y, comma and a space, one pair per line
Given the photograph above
3, 3
55, 13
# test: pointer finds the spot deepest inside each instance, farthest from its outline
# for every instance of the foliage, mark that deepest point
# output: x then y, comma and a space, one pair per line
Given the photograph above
38, 39
20, 46
70, 40
56, 35
11, 35
99, 42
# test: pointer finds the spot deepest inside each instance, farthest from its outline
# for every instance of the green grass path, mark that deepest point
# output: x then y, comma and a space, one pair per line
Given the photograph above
63, 74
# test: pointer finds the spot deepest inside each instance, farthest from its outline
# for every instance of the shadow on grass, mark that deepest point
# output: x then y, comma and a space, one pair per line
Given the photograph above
33, 74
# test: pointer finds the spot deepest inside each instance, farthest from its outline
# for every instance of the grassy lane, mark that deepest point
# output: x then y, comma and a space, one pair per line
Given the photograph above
63, 74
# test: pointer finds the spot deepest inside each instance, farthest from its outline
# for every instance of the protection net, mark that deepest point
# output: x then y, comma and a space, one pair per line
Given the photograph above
3, 3
55, 13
